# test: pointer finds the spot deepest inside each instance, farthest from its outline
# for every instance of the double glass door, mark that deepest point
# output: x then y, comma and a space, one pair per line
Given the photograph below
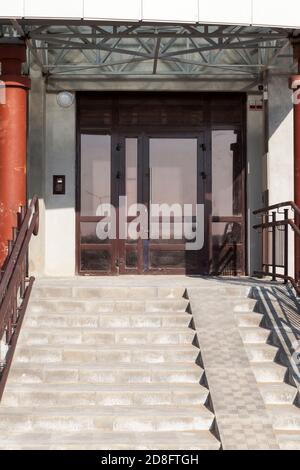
139, 204
181, 152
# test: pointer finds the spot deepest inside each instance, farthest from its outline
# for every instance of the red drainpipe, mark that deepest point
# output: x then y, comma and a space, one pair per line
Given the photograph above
13, 133
295, 85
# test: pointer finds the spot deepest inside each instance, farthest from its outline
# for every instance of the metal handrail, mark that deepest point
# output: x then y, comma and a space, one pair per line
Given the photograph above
16, 286
267, 209
273, 226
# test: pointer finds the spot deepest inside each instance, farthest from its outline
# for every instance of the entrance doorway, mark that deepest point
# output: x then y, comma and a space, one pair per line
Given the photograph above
154, 150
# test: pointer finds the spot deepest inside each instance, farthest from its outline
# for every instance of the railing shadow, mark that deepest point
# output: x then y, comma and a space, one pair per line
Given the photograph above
15, 287
282, 308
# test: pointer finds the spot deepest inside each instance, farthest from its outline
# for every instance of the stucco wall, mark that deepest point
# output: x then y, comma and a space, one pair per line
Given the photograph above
36, 164
280, 146
60, 210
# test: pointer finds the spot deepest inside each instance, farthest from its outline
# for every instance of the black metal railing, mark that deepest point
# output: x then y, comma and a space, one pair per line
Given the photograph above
16, 286
278, 223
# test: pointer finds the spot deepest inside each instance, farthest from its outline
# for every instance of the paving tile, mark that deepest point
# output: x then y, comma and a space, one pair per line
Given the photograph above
241, 415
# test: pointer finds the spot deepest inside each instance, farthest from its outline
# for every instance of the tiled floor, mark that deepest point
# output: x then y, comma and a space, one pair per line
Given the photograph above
240, 412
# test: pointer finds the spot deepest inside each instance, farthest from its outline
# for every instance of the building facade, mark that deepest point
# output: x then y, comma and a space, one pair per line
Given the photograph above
138, 138
161, 102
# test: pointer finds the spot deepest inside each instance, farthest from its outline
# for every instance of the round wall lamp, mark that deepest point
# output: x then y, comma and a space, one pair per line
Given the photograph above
65, 99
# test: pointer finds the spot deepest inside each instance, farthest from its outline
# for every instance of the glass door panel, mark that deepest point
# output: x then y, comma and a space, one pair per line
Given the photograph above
95, 168
173, 166
95, 254
131, 156
130, 254
227, 202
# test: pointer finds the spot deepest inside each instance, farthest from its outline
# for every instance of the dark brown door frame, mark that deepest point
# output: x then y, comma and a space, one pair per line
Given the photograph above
123, 247
240, 128
112, 248
207, 129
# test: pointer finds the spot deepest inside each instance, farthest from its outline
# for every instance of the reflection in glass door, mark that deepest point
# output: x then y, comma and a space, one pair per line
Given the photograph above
95, 255
173, 164
227, 202
130, 254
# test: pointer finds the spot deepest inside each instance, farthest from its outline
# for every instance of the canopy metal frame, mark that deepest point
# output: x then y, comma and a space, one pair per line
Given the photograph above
82, 48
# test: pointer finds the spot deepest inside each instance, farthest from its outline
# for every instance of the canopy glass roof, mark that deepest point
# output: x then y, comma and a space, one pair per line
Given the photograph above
88, 49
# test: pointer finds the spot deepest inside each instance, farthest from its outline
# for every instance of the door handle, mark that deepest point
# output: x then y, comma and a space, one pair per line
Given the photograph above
203, 175
118, 175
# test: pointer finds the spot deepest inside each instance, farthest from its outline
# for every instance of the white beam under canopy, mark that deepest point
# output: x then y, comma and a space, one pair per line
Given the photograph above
245, 12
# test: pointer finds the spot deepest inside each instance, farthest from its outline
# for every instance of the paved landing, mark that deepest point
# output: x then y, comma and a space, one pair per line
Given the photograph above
241, 415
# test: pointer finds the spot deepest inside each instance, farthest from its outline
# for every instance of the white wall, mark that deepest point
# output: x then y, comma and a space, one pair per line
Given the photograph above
124, 10
53, 9
281, 140
226, 11
168, 10
13, 8
260, 12
276, 13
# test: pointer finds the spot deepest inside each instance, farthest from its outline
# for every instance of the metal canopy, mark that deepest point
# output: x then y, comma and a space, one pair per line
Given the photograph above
89, 49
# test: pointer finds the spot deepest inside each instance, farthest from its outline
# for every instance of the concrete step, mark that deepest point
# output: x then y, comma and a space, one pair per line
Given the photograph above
106, 419
112, 313
288, 440
112, 336
234, 304
106, 306
111, 293
108, 373
245, 305
269, 372
102, 395
254, 335
278, 393
110, 320
285, 417
251, 319
95, 440
155, 354
222, 289
107, 368
261, 352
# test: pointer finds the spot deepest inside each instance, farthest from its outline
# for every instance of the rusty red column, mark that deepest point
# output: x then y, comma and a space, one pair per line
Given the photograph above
13, 133
295, 85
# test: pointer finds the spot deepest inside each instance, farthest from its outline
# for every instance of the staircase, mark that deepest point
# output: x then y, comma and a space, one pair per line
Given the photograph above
107, 368
269, 364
